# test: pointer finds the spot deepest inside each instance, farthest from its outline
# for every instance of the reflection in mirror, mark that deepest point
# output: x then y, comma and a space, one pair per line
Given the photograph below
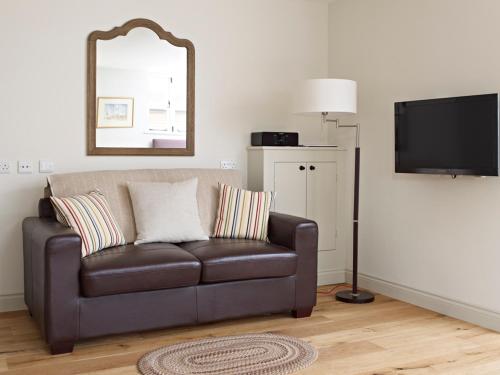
141, 92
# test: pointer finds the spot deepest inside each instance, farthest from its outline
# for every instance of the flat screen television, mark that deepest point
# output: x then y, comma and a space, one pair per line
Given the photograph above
457, 136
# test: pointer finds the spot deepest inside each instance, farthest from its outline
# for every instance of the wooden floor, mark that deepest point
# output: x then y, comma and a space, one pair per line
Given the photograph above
386, 337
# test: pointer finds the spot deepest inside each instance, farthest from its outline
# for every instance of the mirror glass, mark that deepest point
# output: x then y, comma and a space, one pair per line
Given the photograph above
141, 91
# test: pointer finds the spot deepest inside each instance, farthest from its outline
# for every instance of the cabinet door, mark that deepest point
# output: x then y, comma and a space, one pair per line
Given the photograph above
322, 201
290, 185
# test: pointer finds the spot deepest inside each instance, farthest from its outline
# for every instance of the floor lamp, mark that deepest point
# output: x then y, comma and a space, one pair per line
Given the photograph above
337, 97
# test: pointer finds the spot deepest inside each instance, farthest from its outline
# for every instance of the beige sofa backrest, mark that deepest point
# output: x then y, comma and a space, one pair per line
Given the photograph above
113, 184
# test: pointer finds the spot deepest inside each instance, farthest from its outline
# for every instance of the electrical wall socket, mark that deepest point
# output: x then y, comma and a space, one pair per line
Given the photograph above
228, 164
24, 167
4, 167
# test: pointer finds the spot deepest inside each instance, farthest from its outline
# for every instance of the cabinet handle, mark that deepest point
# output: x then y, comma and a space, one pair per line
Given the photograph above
312, 167
302, 167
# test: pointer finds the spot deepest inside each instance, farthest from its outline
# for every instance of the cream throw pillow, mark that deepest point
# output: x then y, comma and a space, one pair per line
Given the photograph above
166, 212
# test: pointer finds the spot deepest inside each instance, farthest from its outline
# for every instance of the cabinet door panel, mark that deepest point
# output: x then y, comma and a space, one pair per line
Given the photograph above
322, 201
327, 261
290, 185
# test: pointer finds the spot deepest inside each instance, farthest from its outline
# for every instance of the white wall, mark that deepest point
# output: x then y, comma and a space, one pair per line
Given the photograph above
430, 233
248, 53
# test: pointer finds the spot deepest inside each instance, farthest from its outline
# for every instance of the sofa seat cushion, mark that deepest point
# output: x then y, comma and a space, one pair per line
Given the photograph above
237, 259
136, 268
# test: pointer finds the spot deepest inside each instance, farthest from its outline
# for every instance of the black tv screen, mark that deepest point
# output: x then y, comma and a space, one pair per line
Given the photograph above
448, 136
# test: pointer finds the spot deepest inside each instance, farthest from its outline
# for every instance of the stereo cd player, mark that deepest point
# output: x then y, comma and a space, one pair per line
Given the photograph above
275, 139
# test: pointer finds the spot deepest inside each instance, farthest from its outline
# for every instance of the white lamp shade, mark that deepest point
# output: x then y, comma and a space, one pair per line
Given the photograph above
335, 96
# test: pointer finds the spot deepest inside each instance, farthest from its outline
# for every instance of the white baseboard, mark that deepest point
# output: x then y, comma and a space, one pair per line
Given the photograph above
469, 313
12, 302
331, 277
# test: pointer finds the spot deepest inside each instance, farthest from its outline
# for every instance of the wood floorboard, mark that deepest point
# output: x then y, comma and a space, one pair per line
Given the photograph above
387, 337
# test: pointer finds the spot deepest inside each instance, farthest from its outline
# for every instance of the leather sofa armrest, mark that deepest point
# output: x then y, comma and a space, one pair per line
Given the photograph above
45, 209
300, 235
52, 254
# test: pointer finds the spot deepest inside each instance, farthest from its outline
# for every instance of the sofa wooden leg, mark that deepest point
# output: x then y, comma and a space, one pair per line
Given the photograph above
302, 313
61, 347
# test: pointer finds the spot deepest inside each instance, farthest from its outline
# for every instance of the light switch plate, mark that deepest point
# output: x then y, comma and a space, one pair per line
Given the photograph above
46, 166
24, 167
228, 164
4, 167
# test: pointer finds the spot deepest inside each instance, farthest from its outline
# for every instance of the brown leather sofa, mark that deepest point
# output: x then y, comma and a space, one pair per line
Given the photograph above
135, 288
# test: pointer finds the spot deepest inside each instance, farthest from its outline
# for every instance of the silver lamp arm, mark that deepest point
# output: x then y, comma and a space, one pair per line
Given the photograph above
338, 125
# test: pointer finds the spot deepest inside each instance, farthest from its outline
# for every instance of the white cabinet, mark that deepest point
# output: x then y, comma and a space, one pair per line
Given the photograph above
306, 182
322, 200
291, 183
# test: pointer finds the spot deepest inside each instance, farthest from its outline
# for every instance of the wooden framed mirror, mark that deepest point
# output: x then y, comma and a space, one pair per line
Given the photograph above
140, 99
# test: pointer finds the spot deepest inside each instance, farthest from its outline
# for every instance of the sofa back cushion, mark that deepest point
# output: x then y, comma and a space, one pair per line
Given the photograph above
113, 184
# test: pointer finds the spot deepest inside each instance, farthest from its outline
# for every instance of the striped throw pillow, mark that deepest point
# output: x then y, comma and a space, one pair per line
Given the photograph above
89, 215
242, 213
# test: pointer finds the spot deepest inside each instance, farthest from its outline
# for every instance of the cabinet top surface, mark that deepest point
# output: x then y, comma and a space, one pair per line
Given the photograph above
296, 148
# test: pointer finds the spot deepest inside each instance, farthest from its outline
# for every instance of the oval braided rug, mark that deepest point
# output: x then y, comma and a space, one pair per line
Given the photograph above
252, 354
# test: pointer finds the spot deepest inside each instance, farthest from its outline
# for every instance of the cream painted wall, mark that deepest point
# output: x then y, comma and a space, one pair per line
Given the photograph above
430, 233
248, 54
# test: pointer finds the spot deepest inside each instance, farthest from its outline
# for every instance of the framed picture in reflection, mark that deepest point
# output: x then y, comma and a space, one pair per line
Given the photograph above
115, 112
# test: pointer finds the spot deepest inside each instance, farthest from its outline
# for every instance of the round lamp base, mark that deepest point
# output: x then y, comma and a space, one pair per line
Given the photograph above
348, 296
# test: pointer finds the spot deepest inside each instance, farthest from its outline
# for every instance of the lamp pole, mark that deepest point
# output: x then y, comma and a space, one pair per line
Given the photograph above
354, 295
